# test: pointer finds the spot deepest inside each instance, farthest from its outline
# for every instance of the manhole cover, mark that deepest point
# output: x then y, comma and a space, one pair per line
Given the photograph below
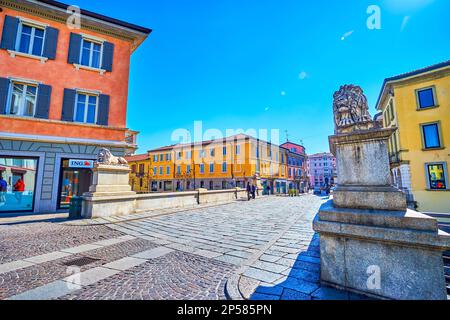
80, 262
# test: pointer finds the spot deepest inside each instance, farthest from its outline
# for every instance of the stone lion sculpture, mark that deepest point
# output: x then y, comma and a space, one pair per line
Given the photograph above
351, 110
105, 157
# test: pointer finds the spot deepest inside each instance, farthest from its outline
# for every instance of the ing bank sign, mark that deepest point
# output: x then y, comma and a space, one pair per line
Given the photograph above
81, 164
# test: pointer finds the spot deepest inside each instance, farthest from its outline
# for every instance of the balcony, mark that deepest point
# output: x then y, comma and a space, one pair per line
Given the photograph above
131, 141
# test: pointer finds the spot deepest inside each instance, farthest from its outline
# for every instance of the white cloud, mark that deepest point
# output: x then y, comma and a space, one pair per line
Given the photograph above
347, 34
404, 22
303, 75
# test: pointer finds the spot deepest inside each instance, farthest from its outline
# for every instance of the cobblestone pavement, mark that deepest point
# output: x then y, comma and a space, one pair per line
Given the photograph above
185, 255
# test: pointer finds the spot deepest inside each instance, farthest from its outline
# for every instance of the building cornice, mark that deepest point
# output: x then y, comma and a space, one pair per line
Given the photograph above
53, 13
63, 140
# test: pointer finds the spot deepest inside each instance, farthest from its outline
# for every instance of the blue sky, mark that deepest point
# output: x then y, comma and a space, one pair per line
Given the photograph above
268, 64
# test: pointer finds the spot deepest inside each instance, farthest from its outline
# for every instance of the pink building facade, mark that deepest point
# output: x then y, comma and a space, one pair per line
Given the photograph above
297, 173
321, 169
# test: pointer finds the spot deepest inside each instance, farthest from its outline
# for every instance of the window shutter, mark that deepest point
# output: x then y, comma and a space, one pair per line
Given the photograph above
43, 101
74, 48
4, 87
51, 42
9, 34
103, 110
68, 105
108, 55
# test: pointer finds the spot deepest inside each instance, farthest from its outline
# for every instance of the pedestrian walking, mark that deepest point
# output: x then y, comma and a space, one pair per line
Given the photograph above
19, 189
249, 191
3, 189
253, 192
268, 190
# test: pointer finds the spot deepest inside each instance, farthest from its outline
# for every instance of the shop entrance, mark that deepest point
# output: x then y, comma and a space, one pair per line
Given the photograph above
75, 179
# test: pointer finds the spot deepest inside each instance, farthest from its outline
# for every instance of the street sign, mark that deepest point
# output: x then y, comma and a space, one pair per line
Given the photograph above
81, 164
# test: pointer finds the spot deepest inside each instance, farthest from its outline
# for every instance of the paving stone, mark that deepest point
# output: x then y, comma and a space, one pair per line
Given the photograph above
47, 292
14, 265
208, 254
91, 276
153, 253
327, 293
269, 258
48, 257
231, 259
125, 263
262, 275
270, 289
268, 266
240, 254
289, 294
263, 297
298, 285
81, 249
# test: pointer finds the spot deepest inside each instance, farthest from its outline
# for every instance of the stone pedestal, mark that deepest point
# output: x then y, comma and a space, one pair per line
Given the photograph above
110, 193
370, 242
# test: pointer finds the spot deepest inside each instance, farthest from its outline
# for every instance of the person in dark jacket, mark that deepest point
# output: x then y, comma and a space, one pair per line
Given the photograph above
253, 191
249, 191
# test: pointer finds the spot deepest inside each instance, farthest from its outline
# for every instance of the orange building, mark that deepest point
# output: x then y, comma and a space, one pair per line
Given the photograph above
63, 96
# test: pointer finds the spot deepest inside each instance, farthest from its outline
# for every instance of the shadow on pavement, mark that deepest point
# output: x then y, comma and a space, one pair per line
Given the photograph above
303, 281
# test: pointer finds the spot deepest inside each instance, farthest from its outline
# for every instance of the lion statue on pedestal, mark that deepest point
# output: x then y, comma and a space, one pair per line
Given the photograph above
351, 110
105, 157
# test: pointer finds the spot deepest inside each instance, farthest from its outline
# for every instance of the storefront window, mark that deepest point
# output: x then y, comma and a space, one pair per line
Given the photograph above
17, 184
76, 178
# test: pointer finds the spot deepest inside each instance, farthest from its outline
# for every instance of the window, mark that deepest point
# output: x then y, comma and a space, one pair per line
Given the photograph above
155, 171
161, 157
188, 155
161, 171
179, 155
430, 133
202, 169
86, 108
202, 153
238, 149
168, 170
212, 152
224, 167
91, 54
155, 158
178, 169
30, 40
188, 169
133, 168
18, 180
23, 99
168, 157
141, 168
224, 152
425, 98
211, 168
436, 176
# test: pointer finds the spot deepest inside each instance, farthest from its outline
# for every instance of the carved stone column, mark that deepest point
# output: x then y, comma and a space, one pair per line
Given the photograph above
370, 242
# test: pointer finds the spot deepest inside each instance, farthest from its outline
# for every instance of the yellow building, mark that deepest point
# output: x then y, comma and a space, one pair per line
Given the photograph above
213, 165
418, 104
